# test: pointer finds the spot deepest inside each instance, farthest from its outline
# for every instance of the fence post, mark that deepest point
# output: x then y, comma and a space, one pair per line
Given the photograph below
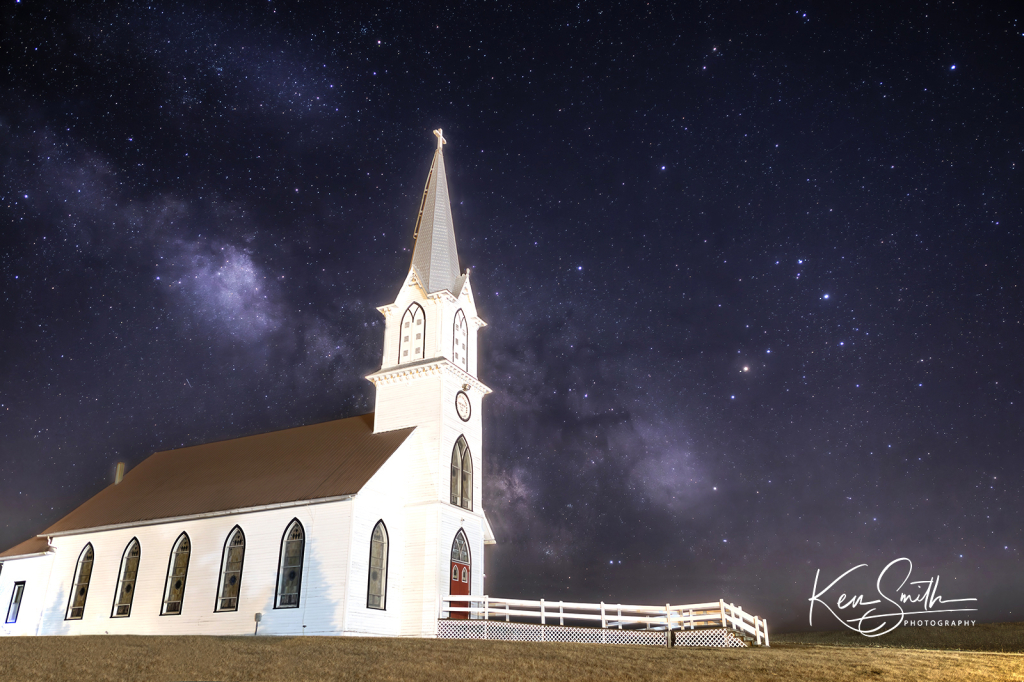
721, 607
620, 616
757, 629
668, 625
542, 619
561, 614
764, 624
506, 612
603, 622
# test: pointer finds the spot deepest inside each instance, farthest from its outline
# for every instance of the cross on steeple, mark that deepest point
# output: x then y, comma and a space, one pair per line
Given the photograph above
440, 138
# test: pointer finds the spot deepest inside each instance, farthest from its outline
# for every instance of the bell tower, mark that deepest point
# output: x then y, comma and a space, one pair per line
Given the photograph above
428, 380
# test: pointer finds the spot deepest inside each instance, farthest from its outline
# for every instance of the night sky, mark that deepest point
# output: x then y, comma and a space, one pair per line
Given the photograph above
752, 274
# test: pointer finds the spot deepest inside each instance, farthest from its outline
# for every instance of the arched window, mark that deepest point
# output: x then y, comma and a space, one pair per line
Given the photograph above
411, 334
378, 583
80, 587
177, 572
126, 580
289, 578
231, 570
460, 341
462, 475
460, 549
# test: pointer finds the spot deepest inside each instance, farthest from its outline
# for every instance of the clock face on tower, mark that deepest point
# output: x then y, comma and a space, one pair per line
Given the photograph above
462, 406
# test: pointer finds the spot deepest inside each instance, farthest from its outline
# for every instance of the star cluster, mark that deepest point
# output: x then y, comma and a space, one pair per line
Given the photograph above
752, 274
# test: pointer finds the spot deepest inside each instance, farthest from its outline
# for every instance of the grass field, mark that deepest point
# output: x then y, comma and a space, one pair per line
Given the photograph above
1000, 637
300, 659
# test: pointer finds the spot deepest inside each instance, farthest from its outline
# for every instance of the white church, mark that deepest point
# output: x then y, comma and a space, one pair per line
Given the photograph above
352, 527
370, 525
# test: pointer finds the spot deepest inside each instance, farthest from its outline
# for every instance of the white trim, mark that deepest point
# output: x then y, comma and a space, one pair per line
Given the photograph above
489, 538
51, 550
423, 367
204, 515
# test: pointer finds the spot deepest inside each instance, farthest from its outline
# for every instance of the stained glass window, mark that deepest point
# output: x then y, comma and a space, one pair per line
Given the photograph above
80, 586
289, 580
231, 570
378, 582
177, 572
126, 580
460, 551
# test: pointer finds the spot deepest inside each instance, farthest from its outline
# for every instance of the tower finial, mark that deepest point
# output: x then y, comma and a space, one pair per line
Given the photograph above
440, 138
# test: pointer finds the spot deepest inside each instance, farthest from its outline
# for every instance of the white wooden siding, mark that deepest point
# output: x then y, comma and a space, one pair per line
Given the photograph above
35, 572
322, 595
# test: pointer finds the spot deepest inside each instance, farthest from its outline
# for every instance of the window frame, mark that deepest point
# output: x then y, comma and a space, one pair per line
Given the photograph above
462, 454
455, 496
384, 570
469, 552
120, 579
464, 363
217, 607
20, 595
280, 567
409, 312
184, 577
76, 580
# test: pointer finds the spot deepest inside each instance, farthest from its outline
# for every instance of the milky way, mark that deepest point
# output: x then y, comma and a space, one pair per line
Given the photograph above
752, 276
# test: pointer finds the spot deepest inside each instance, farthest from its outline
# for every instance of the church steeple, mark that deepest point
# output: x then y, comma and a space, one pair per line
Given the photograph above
435, 258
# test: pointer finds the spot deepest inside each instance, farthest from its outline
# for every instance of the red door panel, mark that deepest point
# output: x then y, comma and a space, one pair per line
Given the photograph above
459, 584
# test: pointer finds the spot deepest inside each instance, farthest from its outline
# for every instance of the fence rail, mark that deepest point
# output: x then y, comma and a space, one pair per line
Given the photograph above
679, 617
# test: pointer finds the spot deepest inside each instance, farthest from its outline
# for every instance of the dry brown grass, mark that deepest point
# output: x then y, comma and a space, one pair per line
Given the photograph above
1001, 637
260, 659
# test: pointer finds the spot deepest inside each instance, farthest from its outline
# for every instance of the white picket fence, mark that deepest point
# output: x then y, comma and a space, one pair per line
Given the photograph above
668, 618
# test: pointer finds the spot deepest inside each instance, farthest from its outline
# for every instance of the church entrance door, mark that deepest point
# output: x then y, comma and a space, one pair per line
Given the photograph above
460, 573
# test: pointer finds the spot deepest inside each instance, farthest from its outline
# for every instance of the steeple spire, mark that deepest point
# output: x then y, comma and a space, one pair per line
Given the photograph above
435, 258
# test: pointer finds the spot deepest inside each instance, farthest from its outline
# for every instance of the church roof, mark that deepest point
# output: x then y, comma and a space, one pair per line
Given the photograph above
30, 547
435, 257
313, 462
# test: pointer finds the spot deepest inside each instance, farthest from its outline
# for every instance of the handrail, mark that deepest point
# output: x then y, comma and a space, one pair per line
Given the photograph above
620, 616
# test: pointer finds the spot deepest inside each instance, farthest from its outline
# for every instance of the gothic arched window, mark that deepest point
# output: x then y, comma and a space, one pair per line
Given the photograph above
289, 578
460, 341
231, 570
412, 334
177, 572
126, 580
462, 475
378, 582
80, 586
460, 549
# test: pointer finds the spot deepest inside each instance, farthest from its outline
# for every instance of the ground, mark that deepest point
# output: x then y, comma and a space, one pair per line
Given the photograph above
299, 659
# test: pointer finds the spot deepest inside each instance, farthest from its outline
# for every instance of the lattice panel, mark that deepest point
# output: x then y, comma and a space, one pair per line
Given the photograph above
460, 629
718, 637
532, 632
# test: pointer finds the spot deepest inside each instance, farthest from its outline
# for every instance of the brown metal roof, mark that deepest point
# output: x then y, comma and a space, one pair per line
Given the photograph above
30, 546
305, 463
